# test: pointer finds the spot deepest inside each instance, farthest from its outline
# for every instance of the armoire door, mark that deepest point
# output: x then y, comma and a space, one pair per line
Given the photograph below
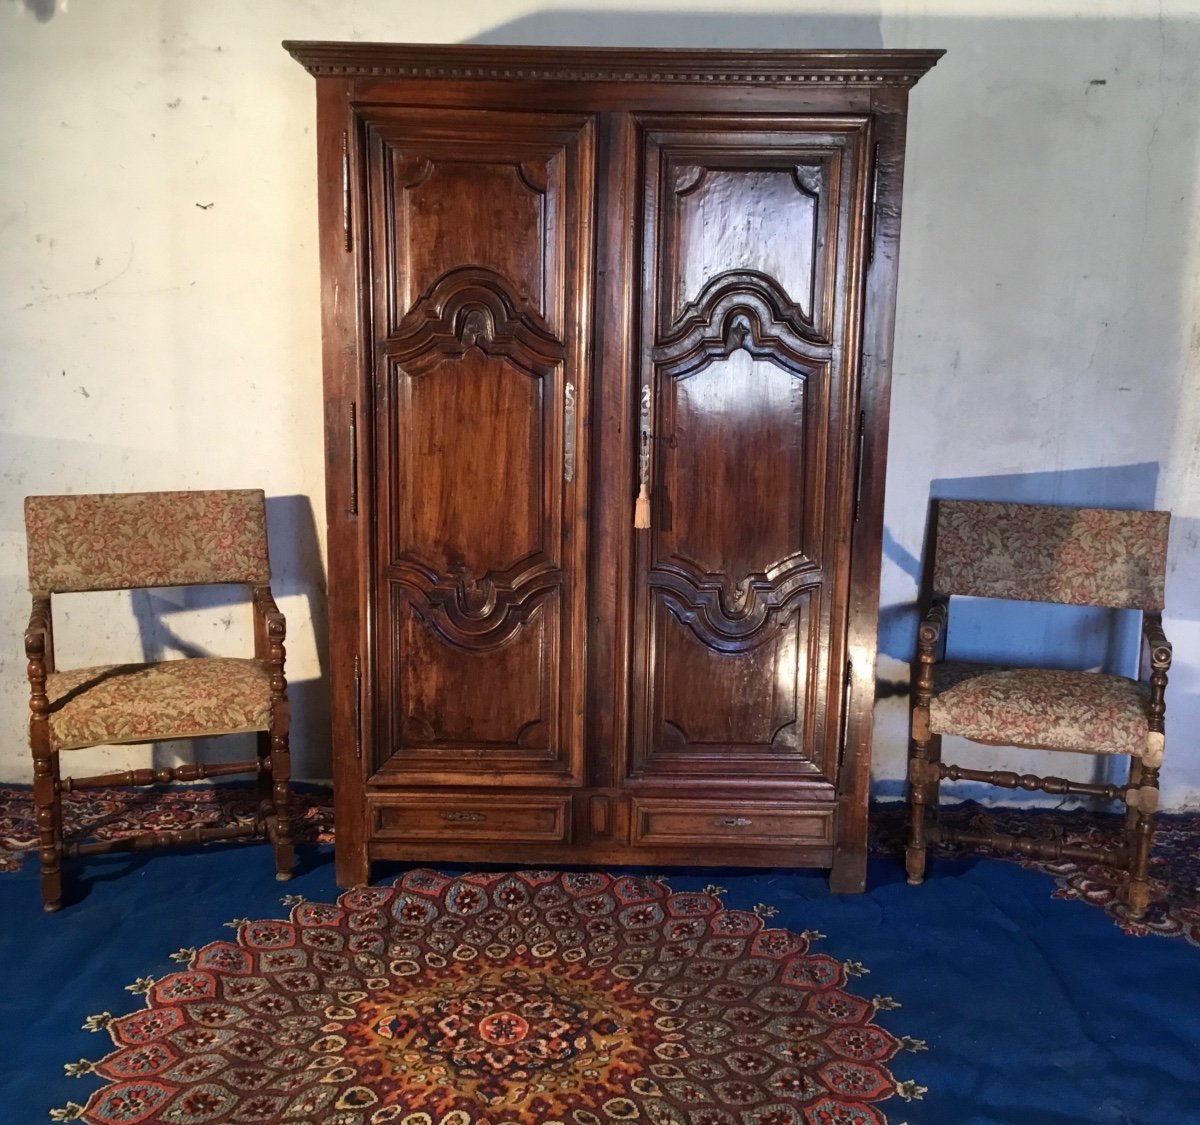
479, 276
746, 419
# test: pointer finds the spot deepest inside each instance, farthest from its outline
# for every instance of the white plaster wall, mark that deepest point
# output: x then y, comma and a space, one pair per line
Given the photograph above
159, 291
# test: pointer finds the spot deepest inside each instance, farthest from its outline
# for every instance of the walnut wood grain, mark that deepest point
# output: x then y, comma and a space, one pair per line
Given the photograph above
544, 234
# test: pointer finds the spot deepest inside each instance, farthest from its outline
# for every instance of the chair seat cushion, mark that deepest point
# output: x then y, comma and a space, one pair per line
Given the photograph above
1088, 712
157, 702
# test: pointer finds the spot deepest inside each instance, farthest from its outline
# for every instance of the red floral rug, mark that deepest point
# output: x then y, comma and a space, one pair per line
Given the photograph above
1174, 909
505, 999
114, 811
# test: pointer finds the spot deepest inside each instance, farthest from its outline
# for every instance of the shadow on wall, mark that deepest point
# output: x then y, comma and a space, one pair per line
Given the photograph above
638, 28
44, 10
296, 571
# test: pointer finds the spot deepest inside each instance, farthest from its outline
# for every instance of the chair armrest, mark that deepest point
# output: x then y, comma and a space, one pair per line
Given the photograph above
932, 629
270, 626
1156, 639
39, 649
37, 632
930, 634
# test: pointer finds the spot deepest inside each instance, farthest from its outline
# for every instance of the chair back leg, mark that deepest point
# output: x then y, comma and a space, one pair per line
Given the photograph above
47, 801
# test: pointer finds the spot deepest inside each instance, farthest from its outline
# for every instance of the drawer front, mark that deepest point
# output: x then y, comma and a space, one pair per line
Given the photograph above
751, 823
439, 816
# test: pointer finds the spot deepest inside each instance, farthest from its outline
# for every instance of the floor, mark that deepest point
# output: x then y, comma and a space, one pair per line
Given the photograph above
1034, 1010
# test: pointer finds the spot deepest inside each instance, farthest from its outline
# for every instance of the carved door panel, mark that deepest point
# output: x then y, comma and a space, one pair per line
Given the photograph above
749, 331
479, 240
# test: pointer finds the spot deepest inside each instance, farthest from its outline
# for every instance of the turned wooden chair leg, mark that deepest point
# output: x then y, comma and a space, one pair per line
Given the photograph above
1140, 837
280, 776
1135, 781
47, 802
920, 767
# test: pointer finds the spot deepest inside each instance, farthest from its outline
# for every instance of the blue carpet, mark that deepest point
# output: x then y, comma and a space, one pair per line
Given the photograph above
1035, 1011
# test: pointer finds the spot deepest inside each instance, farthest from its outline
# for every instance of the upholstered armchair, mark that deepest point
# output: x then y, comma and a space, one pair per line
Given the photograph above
1075, 556
135, 541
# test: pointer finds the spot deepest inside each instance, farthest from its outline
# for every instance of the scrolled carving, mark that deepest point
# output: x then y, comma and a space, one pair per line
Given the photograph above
686, 178
476, 597
475, 327
735, 614
808, 179
535, 176
477, 611
411, 171
468, 307
740, 309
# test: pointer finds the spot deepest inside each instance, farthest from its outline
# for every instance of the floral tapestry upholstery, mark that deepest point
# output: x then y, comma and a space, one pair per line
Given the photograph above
1088, 712
142, 539
156, 702
1037, 552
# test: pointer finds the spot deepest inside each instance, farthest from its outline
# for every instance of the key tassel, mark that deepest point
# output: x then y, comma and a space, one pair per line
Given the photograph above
641, 510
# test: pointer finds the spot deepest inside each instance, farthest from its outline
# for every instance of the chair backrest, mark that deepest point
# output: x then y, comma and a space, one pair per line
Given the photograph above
125, 541
1044, 553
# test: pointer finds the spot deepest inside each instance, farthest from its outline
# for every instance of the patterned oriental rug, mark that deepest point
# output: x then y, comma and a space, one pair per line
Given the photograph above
1175, 867
1174, 909
502, 999
113, 812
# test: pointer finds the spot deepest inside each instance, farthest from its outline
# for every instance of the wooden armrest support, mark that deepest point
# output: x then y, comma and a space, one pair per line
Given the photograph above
270, 627
268, 612
39, 652
932, 628
1160, 647
37, 632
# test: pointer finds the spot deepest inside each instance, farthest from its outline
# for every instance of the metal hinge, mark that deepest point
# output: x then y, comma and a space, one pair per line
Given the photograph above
847, 694
858, 463
874, 203
347, 230
353, 508
357, 707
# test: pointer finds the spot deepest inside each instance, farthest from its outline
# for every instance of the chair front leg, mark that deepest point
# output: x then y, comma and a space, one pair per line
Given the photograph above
922, 790
47, 798
923, 775
270, 633
1144, 804
1135, 781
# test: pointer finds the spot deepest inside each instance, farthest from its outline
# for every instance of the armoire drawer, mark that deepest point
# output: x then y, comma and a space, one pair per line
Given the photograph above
751, 823
441, 816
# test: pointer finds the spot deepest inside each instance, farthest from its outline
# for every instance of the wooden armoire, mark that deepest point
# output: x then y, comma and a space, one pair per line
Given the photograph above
607, 340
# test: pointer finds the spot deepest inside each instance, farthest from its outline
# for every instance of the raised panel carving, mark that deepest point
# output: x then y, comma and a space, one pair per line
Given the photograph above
771, 205
744, 355
491, 211
473, 377
475, 696
728, 434
491, 188
719, 701
762, 219
479, 273
738, 711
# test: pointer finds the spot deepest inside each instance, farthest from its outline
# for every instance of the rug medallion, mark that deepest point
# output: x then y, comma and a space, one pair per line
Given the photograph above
502, 999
